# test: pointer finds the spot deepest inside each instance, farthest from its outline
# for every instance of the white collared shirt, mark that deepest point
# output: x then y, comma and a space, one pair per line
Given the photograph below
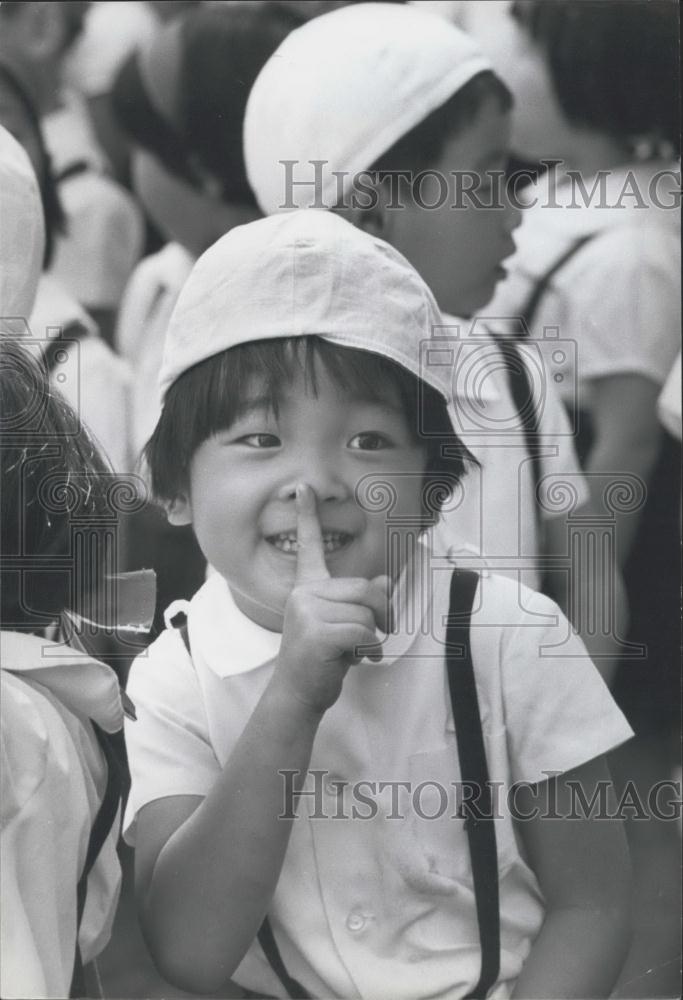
53, 779
381, 908
619, 298
494, 516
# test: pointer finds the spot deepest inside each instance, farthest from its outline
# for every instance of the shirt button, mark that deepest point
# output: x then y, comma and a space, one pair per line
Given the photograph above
355, 921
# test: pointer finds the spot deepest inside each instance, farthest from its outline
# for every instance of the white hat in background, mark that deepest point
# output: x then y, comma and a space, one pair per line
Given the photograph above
300, 274
343, 88
22, 234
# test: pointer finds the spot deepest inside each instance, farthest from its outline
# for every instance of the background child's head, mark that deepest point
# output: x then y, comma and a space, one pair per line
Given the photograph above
54, 496
182, 101
298, 352
609, 69
416, 96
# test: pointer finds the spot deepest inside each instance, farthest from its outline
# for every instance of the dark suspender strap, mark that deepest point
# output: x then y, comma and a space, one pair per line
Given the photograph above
267, 941
521, 390
104, 820
74, 169
266, 938
479, 818
530, 307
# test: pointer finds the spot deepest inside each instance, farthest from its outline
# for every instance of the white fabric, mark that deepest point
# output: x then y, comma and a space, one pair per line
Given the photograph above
104, 234
669, 405
143, 319
53, 778
494, 516
381, 908
22, 232
397, 64
112, 32
297, 274
619, 298
92, 378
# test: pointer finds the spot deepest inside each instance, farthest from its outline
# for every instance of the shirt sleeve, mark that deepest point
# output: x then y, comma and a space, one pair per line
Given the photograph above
628, 302
169, 749
559, 713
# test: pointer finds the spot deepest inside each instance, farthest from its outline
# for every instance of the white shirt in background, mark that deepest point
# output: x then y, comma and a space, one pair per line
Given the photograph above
143, 317
494, 515
105, 230
619, 297
93, 379
53, 778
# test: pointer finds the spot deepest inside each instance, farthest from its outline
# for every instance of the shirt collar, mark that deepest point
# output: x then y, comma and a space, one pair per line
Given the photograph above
227, 642
81, 683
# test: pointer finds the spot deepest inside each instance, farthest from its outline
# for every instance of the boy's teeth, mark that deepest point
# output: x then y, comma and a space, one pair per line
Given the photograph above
286, 541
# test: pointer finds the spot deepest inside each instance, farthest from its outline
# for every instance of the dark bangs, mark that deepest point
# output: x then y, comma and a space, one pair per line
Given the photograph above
209, 397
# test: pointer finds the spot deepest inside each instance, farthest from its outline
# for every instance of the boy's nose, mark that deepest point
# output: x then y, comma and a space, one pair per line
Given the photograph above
326, 487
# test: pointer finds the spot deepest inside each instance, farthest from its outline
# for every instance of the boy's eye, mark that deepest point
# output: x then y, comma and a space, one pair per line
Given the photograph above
260, 440
369, 441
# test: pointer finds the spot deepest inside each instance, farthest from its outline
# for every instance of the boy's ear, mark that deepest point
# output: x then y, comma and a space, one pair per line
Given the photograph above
179, 510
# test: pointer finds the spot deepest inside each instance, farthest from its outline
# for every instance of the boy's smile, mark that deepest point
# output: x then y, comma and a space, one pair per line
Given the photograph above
241, 499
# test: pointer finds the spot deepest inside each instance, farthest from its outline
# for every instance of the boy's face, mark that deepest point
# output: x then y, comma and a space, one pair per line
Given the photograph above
241, 499
459, 251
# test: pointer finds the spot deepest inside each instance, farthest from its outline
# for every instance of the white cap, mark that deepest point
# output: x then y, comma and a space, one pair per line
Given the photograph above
22, 233
343, 88
301, 274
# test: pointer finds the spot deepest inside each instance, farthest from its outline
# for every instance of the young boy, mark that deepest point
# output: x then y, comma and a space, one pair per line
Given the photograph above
308, 446
395, 139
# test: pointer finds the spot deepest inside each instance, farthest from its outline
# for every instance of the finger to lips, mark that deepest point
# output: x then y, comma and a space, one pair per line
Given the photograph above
310, 555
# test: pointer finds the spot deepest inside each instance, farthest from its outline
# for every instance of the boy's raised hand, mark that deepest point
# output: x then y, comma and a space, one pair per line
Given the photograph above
326, 618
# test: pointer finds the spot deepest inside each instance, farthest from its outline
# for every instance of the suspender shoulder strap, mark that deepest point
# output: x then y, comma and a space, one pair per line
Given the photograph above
480, 825
530, 307
521, 390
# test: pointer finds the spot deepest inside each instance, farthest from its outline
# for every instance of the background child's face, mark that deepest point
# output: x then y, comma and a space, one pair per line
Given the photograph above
458, 251
243, 480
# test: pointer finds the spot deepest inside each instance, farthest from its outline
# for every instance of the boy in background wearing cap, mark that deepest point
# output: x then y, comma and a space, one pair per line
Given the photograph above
181, 101
438, 115
309, 461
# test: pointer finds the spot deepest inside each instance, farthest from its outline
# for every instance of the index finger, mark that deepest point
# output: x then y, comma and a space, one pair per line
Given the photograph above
310, 554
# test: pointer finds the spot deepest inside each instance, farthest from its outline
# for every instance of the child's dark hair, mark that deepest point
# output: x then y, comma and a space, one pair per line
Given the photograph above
222, 51
614, 65
208, 398
423, 145
53, 482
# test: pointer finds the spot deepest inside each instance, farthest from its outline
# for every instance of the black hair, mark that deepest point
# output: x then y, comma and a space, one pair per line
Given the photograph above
614, 65
424, 144
54, 481
208, 397
223, 51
